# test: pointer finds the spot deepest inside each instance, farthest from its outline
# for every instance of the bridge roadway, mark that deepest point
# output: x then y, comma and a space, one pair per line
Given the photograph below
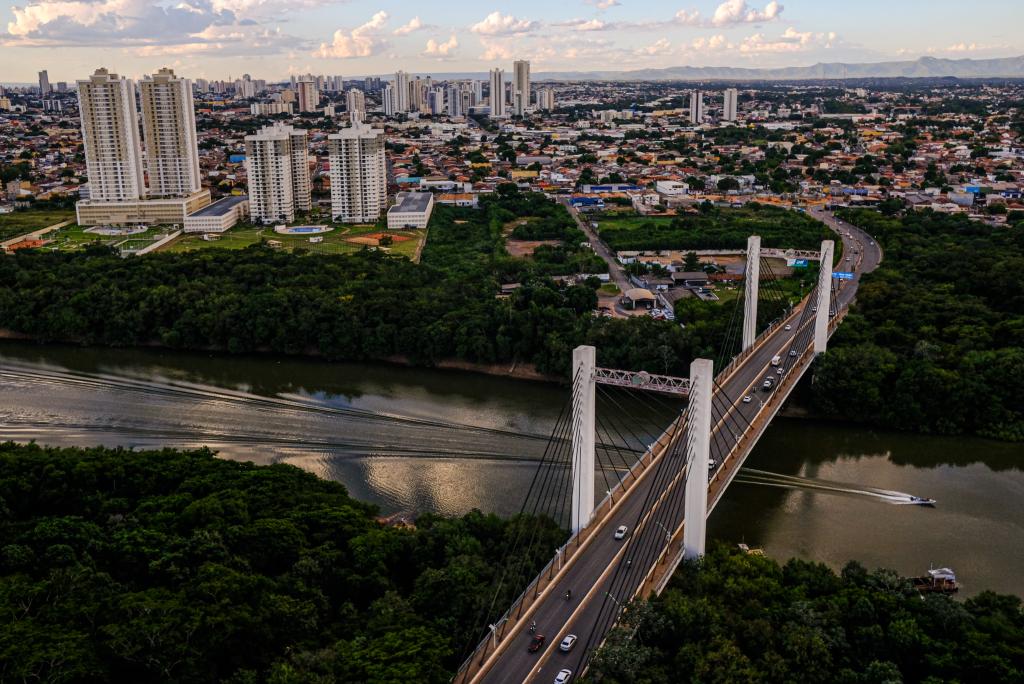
590, 570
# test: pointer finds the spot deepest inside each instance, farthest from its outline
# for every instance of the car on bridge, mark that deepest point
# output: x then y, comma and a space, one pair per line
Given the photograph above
621, 532
567, 643
563, 676
747, 399
535, 643
767, 385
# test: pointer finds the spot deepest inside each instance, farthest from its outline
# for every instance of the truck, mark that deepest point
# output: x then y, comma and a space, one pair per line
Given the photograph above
776, 360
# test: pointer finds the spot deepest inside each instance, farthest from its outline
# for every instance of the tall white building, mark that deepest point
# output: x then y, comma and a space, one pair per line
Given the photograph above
696, 107
387, 100
359, 189
729, 104
44, 83
277, 164
401, 91
477, 88
497, 93
355, 105
520, 87
169, 133
454, 101
546, 99
309, 96
110, 136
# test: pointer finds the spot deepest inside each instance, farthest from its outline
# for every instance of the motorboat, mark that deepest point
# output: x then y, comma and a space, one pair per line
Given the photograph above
921, 501
938, 580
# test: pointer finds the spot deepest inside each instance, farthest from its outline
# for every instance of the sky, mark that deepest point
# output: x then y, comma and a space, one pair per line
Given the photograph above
272, 39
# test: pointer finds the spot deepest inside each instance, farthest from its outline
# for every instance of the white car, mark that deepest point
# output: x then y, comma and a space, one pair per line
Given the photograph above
788, 327
563, 676
747, 399
621, 532
567, 643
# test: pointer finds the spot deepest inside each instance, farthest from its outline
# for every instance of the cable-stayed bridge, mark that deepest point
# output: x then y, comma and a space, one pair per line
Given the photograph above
661, 489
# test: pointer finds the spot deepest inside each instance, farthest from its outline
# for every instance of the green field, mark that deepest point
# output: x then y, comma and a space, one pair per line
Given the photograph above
338, 241
26, 221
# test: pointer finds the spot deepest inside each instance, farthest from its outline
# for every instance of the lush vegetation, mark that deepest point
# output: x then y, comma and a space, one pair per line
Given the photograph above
352, 307
934, 342
716, 228
743, 618
163, 566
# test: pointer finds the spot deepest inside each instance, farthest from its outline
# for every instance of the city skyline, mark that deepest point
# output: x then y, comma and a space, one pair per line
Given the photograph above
219, 38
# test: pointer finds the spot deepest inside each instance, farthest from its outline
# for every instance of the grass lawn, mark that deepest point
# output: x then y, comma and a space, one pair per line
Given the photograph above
609, 289
26, 221
74, 237
341, 240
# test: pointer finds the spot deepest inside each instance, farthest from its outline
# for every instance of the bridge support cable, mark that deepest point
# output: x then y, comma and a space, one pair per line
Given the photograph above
733, 333
752, 283
652, 534
627, 454
517, 554
824, 297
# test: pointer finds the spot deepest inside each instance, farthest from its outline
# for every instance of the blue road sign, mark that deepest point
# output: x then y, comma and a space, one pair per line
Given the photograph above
800, 263
842, 275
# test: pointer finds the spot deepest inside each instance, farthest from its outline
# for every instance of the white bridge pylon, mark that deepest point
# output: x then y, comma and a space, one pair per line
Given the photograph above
698, 386
824, 302
752, 284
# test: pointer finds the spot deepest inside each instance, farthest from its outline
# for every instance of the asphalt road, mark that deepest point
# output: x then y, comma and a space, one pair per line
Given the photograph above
590, 574
618, 274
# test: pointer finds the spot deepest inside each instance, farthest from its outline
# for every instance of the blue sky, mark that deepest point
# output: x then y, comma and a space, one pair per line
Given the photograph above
272, 38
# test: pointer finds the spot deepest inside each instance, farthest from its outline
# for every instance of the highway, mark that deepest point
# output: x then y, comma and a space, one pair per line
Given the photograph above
589, 573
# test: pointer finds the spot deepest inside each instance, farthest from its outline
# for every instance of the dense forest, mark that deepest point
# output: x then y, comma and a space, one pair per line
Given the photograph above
717, 228
352, 307
164, 566
743, 618
935, 342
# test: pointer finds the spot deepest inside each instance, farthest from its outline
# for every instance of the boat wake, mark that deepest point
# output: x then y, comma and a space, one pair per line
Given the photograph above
766, 478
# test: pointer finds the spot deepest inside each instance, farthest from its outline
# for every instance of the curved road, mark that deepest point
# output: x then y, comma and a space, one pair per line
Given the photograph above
589, 574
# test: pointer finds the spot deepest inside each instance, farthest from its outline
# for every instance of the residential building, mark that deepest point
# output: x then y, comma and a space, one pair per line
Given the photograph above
309, 96
219, 216
270, 108
169, 134
546, 99
355, 105
729, 104
387, 100
497, 93
454, 101
520, 87
277, 164
358, 174
697, 107
110, 137
401, 94
44, 83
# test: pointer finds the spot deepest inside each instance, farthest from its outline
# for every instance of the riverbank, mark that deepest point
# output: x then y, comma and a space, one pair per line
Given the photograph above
516, 371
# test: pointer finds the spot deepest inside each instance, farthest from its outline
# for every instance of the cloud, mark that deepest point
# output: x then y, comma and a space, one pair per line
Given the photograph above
498, 24
660, 47
791, 40
586, 25
686, 18
602, 4
445, 49
362, 41
496, 50
738, 12
415, 24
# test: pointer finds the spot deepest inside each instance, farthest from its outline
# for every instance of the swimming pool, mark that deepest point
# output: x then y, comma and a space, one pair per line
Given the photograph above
302, 230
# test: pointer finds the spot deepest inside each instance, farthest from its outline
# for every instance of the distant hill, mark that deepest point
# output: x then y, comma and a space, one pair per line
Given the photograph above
925, 67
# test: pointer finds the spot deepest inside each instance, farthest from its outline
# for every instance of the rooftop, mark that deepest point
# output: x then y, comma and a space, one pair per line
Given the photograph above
411, 202
220, 207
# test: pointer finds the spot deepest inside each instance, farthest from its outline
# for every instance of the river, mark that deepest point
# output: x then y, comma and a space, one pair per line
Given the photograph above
399, 437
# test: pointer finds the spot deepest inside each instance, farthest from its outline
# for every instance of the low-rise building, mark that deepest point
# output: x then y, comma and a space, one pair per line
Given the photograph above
411, 210
219, 216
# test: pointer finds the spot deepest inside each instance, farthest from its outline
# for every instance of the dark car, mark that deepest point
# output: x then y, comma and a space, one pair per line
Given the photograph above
536, 643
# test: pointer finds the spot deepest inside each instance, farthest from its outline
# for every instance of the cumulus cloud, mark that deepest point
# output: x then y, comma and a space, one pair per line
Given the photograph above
498, 24
445, 49
738, 12
602, 4
362, 41
659, 47
791, 40
415, 24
